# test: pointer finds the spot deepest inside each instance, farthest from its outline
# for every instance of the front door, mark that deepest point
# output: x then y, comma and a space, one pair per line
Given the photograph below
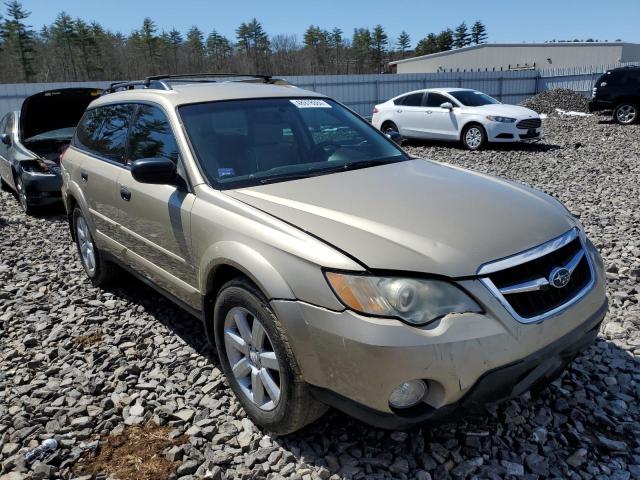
155, 220
443, 123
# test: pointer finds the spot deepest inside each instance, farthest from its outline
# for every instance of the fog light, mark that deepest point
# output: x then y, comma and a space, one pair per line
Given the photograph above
408, 394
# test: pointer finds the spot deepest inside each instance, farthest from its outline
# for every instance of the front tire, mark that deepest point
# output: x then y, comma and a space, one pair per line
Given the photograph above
474, 137
27, 208
4, 186
99, 271
626, 114
258, 362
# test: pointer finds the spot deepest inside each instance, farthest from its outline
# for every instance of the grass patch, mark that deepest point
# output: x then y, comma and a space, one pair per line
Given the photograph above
135, 454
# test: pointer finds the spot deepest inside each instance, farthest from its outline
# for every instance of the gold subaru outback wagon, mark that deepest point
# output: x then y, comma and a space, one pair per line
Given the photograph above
328, 266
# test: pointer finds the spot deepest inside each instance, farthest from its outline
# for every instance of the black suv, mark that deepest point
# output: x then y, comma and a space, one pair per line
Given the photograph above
618, 90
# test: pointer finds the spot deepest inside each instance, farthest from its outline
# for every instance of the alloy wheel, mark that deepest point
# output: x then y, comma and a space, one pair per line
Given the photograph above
626, 114
473, 137
87, 249
252, 358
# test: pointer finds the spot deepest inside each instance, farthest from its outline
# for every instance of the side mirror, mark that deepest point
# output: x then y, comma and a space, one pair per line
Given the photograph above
447, 106
395, 137
160, 171
5, 138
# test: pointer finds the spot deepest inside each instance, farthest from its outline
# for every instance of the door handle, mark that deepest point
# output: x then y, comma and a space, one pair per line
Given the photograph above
429, 112
84, 175
399, 111
125, 194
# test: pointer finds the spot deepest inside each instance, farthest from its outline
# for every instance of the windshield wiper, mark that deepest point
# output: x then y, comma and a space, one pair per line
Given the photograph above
338, 168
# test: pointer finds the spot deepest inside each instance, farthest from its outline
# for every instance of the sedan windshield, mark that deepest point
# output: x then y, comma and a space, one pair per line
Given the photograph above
240, 143
62, 134
471, 98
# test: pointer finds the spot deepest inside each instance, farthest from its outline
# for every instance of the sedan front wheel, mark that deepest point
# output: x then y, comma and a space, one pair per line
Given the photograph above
474, 137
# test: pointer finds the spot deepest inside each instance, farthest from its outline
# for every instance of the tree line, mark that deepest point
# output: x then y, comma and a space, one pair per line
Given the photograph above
72, 49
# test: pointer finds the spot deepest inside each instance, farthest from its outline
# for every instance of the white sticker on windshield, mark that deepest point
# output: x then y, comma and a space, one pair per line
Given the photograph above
309, 103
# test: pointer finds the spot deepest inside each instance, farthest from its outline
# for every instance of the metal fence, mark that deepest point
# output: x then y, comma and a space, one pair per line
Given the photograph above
362, 92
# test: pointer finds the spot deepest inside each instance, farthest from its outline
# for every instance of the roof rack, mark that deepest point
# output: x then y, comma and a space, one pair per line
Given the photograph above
162, 82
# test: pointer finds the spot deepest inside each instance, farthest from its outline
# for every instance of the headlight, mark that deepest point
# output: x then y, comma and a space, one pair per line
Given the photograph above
500, 119
35, 167
416, 301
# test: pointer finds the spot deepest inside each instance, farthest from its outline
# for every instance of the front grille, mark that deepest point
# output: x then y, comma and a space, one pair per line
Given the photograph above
529, 123
527, 289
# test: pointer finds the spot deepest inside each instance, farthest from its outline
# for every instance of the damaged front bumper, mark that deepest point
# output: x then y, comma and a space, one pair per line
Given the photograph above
42, 188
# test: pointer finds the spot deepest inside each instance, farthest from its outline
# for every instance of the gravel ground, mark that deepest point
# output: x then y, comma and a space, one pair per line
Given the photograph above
80, 363
548, 101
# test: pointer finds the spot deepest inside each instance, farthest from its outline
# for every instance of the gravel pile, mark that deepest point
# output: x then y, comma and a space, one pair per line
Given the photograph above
83, 364
562, 98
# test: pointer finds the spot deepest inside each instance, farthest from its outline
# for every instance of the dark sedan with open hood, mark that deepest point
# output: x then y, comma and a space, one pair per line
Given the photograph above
32, 140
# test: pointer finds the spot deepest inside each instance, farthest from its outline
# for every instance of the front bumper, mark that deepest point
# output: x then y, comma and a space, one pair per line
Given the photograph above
42, 189
502, 383
508, 132
354, 362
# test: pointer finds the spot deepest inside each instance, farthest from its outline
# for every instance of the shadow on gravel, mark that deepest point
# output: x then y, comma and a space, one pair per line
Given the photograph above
498, 147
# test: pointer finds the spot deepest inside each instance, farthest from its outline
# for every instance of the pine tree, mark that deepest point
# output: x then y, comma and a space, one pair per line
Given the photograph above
445, 40
19, 38
65, 36
403, 43
149, 41
336, 44
461, 36
361, 47
427, 45
478, 33
380, 42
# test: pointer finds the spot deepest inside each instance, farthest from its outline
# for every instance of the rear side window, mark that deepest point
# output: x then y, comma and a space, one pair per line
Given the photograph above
103, 131
151, 135
435, 100
413, 100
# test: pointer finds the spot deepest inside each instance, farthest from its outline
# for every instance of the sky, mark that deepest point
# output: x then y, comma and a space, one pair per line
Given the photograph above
506, 20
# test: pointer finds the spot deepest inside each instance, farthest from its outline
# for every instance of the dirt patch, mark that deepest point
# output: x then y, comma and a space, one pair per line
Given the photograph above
134, 454
89, 339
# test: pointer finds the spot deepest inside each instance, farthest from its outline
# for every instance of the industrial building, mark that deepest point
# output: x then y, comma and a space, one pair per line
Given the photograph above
520, 56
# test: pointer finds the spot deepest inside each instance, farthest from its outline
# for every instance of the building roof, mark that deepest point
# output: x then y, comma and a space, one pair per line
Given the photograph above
509, 45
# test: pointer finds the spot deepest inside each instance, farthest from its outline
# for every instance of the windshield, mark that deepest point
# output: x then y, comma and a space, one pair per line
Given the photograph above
58, 134
471, 98
250, 142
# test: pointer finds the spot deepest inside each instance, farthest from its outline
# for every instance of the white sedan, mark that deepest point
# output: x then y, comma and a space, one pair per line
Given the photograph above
459, 114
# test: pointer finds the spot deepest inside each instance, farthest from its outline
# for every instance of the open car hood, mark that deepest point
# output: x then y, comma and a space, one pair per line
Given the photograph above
54, 109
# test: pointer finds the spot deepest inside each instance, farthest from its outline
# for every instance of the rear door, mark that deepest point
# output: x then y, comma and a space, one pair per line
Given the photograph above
102, 136
155, 220
443, 123
410, 115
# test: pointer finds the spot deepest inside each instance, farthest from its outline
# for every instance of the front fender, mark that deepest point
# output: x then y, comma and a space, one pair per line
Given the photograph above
253, 264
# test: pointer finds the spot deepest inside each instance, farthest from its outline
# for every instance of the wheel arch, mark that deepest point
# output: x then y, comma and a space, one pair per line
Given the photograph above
227, 260
468, 124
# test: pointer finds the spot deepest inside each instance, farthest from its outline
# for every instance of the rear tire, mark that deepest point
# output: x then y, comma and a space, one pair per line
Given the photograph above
258, 362
99, 271
626, 113
389, 127
4, 186
474, 137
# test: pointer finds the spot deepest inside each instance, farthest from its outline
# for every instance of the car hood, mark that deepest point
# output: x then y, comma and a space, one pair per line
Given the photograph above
54, 110
415, 215
501, 109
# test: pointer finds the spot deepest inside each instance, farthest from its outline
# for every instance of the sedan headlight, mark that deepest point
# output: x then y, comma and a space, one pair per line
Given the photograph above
415, 301
500, 119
